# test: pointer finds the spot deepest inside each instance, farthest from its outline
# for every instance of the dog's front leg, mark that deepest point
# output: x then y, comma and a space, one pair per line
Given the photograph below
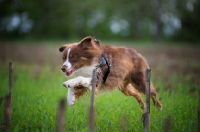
83, 81
71, 96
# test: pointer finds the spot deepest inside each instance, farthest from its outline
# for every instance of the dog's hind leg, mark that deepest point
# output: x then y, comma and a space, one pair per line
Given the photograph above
138, 81
153, 94
154, 97
129, 90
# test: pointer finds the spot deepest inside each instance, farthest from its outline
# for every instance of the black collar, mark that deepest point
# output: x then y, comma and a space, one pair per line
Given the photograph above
104, 61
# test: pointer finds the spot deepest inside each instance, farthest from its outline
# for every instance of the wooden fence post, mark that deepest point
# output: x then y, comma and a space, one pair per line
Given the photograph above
199, 112
167, 124
123, 122
8, 102
60, 116
10, 77
147, 108
91, 111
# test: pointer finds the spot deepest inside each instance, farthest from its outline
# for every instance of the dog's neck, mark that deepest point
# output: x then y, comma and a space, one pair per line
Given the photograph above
104, 61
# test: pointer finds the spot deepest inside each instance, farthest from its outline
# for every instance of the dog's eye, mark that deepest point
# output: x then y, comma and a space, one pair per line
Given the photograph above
63, 57
73, 57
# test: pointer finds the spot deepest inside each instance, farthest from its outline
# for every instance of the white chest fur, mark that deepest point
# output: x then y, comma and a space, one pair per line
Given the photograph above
86, 71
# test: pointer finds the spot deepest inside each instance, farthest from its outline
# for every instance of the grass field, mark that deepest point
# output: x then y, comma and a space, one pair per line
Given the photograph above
37, 89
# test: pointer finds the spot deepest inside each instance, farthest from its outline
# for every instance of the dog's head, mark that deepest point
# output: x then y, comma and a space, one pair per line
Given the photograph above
77, 56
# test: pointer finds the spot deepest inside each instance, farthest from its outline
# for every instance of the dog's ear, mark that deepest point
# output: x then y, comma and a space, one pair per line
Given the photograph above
97, 42
62, 48
86, 43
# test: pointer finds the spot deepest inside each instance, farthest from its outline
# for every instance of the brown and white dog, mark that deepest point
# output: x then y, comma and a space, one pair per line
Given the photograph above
127, 70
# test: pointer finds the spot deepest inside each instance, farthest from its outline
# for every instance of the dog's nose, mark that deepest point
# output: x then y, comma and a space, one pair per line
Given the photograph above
63, 68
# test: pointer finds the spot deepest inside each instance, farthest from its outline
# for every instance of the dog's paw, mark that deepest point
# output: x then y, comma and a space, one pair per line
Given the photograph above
159, 105
70, 83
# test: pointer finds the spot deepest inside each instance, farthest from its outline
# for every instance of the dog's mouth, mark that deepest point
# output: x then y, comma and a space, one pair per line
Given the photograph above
70, 72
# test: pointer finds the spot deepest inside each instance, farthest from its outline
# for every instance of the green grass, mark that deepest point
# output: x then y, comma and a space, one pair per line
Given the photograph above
37, 89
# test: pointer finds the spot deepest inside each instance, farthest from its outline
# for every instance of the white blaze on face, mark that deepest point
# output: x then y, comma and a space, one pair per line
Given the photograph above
67, 63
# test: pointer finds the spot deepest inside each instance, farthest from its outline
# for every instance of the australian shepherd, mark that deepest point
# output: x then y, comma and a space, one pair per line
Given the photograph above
127, 70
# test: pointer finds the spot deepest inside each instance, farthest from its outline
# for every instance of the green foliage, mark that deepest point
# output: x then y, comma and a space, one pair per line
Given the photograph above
114, 19
35, 102
190, 23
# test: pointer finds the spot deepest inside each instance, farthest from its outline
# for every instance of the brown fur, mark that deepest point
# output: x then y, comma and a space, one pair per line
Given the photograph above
127, 68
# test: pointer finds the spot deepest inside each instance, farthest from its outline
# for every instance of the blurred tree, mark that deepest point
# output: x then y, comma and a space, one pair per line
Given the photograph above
9, 10
116, 19
158, 13
49, 17
190, 21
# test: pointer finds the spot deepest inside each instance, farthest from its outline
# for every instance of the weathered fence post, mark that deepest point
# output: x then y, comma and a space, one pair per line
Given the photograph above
60, 116
147, 108
123, 122
8, 102
199, 112
167, 124
91, 111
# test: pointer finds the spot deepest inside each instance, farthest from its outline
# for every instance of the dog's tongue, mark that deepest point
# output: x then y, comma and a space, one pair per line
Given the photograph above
69, 73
